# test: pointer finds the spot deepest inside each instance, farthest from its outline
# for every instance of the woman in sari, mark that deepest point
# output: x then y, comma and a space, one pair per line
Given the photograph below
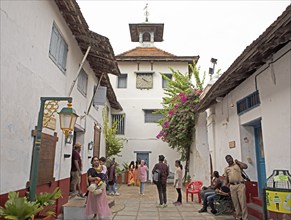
96, 204
131, 169
136, 179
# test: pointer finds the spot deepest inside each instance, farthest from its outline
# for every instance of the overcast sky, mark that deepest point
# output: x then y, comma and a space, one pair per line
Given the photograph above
218, 29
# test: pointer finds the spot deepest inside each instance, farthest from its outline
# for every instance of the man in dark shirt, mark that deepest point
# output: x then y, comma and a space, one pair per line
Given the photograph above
216, 183
162, 183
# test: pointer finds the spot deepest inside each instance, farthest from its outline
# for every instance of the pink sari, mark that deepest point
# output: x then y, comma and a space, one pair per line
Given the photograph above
98, 205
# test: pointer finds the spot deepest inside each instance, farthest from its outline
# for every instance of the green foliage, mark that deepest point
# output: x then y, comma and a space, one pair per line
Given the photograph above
114, 144
179, 109
119, 171
125, 166
188, 178
19, 208
48, 199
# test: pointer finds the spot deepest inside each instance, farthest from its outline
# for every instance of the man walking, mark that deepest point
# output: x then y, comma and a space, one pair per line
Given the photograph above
163, 171
76, 169
232, 174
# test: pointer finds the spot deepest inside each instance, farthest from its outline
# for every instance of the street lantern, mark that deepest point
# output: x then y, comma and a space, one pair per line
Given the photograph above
68, 118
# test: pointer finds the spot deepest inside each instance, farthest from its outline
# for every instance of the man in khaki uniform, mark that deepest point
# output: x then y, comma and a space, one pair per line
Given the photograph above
233, 178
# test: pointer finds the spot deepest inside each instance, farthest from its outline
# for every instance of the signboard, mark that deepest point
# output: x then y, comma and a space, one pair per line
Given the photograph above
100, 96
278, 201
231, 144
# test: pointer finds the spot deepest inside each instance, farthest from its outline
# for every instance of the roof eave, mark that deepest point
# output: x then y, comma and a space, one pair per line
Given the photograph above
101, 55
253, 57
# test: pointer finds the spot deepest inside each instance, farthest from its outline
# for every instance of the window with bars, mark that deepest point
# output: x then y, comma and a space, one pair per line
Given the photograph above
247, 103
120, 120
122, 81
165, 82
83, 82
58, 49
150, 117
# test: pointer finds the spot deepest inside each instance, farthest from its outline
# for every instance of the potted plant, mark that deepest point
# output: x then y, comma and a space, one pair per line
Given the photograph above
187, 180
20, 208
119, 172
125, 169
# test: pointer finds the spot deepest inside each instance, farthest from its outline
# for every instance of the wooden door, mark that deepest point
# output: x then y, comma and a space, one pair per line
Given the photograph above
97, 137
46, 158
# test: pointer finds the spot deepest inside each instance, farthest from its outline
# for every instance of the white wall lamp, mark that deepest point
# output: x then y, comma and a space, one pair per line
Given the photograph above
219, 99
90, 145
69, 139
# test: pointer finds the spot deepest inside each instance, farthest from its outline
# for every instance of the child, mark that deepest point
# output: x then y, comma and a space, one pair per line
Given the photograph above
178, 182
96, 187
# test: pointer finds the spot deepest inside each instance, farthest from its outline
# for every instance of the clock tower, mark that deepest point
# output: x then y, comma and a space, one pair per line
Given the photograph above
140, 90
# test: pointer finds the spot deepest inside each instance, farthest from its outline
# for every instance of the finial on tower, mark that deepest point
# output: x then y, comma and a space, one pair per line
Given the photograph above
146, 13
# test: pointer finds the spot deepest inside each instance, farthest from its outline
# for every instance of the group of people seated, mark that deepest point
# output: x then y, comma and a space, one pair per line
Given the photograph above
208, 194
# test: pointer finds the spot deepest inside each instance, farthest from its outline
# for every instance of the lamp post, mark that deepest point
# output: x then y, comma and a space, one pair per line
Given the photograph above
68, 118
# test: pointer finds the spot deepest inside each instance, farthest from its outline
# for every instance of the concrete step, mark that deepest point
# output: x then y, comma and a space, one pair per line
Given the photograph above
74, 208
255, 210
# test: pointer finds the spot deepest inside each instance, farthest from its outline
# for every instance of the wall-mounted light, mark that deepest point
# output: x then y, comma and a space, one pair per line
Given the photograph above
211, 69
246, 140
90, 145
69, 139
219, 99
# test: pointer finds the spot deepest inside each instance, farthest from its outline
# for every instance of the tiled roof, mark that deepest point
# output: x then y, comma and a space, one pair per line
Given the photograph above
146, 52
101, 56
153, 54
276, 36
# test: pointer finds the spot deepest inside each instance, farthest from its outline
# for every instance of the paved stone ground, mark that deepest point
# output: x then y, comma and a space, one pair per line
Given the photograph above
130, 205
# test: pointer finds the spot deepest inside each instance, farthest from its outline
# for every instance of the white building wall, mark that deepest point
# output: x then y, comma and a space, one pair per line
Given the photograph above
273, 83
142, 136
274, 86
199, 166
27, 73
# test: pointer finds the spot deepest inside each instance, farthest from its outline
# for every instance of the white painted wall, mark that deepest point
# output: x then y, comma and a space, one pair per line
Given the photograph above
273, 83
142, 136
199, 167
27, 73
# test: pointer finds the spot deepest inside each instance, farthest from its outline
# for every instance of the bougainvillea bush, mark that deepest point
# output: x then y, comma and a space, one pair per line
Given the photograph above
179, 109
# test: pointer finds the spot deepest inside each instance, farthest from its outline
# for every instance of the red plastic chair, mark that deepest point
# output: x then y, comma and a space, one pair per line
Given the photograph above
194, 188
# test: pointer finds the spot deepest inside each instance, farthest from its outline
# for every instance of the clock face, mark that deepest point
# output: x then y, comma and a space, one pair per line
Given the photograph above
144, 81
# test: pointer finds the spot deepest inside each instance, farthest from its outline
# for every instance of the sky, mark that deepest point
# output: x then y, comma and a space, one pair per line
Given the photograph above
210, 29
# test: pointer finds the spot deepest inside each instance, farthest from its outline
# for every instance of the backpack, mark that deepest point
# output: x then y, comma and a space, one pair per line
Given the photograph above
157, 176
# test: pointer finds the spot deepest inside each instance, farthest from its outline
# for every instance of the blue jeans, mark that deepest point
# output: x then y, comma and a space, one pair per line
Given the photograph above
208, 197
141, 187
112, 188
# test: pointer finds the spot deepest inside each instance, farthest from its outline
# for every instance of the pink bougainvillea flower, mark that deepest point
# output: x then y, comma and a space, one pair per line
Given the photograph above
166, 124
176, 106
184, 98
171, 112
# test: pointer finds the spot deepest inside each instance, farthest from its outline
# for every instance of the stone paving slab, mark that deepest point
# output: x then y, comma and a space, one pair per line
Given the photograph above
131, 205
